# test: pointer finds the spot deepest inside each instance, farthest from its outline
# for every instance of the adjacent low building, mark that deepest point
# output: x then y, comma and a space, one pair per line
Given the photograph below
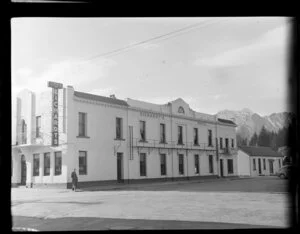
258, 161
111, 140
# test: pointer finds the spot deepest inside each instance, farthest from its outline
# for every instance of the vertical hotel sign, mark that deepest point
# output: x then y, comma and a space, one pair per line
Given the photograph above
55, 87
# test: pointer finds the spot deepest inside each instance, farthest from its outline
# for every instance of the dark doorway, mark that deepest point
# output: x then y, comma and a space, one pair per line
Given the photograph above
221, 168
259, 166
271, 166
120, 167
23, 170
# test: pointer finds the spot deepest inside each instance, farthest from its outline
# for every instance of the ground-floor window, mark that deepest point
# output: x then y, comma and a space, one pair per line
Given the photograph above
264, 162
181, 164
254, 165
143, 164
57, 160
163, 164
197, 164
82, 162
46, 164
230, 166
211, 164
279, 163
36, 165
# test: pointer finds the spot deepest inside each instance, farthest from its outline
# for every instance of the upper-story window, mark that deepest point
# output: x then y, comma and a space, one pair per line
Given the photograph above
226, 143
221, 143
232, 143
209, 137
181, 110
162, 133
119, 127
82, 124
143, 130
24, 132
38, 126
180, 137
196, 136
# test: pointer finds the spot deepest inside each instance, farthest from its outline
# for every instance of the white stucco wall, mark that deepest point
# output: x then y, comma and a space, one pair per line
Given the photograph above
243, 164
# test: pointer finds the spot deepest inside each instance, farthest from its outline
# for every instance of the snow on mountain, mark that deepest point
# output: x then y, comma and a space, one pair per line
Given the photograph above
249, 122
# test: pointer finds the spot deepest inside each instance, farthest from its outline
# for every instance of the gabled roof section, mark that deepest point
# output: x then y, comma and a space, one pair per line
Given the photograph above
260, 151
226, 121
100, 98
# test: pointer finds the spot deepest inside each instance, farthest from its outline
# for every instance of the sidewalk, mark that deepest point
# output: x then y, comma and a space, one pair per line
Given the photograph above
125, 185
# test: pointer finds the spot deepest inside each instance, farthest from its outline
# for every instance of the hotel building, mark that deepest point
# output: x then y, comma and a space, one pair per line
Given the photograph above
110, 140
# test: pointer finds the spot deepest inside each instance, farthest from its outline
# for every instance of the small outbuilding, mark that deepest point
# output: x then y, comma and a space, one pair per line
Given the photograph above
258, 161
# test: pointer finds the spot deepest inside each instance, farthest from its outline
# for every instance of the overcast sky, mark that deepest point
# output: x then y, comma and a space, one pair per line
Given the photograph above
223, 63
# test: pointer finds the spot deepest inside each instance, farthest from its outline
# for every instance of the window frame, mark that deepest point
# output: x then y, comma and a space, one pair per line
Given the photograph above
221, 142
162, 133
211, 164
264, 164
36, 171
254, 164
210, 137
45, 156
143, 130
82, 123
163, 164
197, 164
80, 171
179, 135
232, 143
143, 164
56, 154
120, 128
196, 136
180, 165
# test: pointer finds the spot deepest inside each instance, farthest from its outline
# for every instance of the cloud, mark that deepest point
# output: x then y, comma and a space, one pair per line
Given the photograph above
271, 40
69, 72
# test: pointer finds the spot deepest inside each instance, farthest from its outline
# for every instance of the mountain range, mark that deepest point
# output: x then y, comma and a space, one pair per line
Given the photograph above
249, 122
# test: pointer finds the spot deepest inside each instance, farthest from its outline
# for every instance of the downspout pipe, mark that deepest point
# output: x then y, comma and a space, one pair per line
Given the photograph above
217, 148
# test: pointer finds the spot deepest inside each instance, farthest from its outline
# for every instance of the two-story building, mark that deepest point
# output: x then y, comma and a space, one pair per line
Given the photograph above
111, 140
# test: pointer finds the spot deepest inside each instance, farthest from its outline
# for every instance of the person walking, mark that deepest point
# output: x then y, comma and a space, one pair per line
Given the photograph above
74, 180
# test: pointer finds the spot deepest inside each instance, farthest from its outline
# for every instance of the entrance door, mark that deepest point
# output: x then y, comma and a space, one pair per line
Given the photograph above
271, 166
120, 167
23, 170
259, 166
221, 167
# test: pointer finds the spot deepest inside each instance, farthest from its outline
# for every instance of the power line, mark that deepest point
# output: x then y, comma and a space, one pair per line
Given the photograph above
117, 51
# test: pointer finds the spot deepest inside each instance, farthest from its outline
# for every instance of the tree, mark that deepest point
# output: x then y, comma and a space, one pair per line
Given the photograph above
264, 137
253, 141
241, 141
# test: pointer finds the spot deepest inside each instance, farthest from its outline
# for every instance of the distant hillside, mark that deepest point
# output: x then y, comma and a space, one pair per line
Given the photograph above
249, 122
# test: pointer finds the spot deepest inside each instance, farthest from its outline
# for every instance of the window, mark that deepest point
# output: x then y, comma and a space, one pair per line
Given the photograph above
119, 127
82, 124
232, 143
163, 164
46, 164
221, 143
57, 159
230, 166
181, 164
226, 143
24, 132
264, 161
254, 165
143, 130
36, 165
142, 164
162, 133
181, 110
38, 126
211, 164
82, 163
196, 136
209, 137
197, 164
180, 139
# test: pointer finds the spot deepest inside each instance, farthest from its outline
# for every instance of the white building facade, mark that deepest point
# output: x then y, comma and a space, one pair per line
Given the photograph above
258, 161
108, 140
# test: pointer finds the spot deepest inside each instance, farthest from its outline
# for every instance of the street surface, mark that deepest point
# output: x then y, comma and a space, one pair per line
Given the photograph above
219, 204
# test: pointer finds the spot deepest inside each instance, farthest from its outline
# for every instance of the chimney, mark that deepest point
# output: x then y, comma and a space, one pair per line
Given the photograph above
112, 96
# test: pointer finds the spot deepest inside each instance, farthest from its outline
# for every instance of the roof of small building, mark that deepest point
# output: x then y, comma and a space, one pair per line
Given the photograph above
226, 121
260, 151
100, 98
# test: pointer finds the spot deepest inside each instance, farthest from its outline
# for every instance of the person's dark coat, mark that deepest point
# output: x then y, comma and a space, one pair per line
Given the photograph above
74, 179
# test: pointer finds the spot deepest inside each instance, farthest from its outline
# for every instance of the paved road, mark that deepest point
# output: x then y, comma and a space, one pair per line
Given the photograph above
260, 201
